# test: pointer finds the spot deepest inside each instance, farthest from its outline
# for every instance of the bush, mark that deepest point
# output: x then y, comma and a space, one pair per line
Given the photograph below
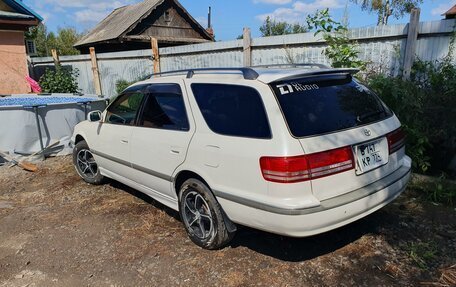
121, 85
60, 80
426, 105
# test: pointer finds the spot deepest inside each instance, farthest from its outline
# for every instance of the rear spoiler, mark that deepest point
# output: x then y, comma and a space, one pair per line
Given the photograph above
350, 71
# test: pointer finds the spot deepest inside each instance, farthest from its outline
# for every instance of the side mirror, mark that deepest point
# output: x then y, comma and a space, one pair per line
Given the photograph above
94, 116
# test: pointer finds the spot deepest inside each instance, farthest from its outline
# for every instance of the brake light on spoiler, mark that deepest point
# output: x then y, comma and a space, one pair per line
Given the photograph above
307, 167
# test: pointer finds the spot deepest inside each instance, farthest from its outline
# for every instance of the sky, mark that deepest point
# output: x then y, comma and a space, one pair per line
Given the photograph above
229, 17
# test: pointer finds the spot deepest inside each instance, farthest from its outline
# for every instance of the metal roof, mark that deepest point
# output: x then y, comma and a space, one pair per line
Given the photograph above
452, 11
21, 8
124, 19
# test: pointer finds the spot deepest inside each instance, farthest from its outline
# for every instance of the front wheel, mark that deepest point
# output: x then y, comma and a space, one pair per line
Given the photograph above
202, 216
85, 164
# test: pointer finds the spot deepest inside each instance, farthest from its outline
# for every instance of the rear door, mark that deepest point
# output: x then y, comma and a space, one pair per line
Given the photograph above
160, 141
334, 111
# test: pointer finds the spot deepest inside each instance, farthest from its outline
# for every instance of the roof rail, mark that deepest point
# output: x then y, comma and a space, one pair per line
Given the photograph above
248, 73
320, 66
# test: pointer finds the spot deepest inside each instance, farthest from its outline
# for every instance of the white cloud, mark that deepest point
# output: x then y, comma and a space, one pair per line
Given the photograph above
300, 9
275, 2
442, 8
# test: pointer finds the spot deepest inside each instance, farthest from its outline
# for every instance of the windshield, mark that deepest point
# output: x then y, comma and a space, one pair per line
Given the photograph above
328, 103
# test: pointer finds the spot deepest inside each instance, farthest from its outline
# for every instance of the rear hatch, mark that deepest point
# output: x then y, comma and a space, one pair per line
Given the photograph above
352, 138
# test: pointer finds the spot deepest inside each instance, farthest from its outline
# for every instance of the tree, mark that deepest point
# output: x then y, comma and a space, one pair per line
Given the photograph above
271, 27
46, 41
342, 52
387, 8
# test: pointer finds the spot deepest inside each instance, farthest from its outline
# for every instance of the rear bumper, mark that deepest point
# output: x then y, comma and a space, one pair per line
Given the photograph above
330, 214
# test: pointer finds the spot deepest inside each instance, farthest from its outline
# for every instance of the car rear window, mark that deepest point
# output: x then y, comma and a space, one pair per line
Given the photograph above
232, 110
328, 103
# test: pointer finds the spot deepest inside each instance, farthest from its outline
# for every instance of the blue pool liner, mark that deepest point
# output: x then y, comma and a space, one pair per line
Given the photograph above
42, 101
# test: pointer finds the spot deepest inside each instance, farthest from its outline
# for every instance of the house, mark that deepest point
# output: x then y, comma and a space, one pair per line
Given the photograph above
131, 28
15, 19
450, 14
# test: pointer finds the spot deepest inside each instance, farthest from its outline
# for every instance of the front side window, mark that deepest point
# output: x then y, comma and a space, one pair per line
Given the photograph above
124, 109
164, 108
232, 110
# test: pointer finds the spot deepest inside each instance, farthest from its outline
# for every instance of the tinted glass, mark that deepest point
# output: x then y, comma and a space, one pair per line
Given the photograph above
326, 104
124, 109
164, 108
232, 110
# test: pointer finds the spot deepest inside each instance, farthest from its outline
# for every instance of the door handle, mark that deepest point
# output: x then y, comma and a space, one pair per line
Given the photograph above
124, 141
176, 150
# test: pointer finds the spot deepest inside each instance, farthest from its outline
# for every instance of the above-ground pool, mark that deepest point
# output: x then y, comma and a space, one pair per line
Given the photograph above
28, 123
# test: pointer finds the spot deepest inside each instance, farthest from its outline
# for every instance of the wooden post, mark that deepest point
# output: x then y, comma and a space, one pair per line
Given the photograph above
155, 55
247, 47
96, 75
55, 56
410, 47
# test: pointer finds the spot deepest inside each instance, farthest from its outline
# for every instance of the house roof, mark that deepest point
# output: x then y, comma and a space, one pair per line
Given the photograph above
452, 11
122, 20
13, 15
21, 8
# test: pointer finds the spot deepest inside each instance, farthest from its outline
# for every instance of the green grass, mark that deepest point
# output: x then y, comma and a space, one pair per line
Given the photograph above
422, 253
435, 189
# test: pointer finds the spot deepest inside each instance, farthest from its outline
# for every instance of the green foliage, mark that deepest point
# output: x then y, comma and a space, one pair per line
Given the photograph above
435, 189
59, 81
422, 253
342, 52
386, 8
45, 41
121, 85
272, 27
426, 105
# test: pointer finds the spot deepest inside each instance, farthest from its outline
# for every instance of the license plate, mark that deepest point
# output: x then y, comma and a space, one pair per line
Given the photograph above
371, 155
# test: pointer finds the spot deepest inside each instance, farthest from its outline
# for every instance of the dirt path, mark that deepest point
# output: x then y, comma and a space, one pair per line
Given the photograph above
55, 230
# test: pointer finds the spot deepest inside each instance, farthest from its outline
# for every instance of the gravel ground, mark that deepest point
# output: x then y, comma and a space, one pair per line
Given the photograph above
56, 230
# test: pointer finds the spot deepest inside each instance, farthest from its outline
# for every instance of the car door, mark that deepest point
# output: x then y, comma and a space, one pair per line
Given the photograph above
112, 142
160, 141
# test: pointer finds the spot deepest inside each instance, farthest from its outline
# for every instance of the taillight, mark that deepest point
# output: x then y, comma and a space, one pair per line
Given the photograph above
307, 167
396, 140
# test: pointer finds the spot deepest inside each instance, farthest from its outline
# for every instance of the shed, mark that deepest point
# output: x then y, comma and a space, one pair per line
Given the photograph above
131, 28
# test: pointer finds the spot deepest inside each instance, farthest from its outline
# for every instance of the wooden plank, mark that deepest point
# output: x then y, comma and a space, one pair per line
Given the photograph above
155, 55
410, 48
96, 74
247, 47
55, 57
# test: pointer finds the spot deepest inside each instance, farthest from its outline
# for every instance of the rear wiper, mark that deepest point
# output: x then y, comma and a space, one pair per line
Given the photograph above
361, 118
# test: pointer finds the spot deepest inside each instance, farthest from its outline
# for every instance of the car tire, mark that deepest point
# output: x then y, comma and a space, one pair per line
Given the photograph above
85, 164
202, 216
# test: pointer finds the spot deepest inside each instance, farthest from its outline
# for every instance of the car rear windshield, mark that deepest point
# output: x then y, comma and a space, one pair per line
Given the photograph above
327, 103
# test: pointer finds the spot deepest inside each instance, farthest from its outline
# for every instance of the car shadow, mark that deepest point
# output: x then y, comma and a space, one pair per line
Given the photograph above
144, 197
287, 248
300, 249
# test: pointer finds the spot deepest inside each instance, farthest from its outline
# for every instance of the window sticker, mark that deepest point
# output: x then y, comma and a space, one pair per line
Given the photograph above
296, 87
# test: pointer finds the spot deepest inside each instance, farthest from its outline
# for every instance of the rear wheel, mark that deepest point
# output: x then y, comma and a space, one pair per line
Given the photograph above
85, 164
202, 216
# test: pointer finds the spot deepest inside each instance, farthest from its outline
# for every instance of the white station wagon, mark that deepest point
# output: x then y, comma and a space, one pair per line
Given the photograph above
293, 151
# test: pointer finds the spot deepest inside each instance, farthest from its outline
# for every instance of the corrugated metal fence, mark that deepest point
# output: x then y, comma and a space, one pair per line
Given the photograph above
382, 46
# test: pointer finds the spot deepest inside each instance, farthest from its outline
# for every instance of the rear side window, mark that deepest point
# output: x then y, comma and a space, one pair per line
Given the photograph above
329, 103
164, 108
232, 110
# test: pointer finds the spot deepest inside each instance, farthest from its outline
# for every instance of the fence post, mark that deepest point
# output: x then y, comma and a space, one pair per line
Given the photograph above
96, 75
155, 54
247, 47
55, 56
410, 47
